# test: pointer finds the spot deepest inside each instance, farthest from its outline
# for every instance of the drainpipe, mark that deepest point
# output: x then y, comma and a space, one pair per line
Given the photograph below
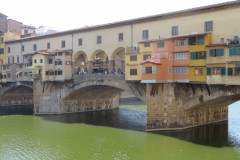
72, 57
131, 35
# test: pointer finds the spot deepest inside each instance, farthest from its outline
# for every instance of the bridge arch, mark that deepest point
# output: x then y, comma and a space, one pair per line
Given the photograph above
118, 60
16, 94
99, 60
80, 61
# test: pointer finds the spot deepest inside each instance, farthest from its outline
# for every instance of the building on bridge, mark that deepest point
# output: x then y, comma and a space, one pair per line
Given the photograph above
107, 43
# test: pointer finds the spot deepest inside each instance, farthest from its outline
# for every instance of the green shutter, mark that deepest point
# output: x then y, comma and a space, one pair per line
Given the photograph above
220, 52
208, 71
223, 71
193, 55
230, 71
153, 70
211, 53
1, 51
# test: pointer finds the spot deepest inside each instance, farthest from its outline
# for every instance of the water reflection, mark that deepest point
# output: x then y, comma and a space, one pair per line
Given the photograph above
117, 118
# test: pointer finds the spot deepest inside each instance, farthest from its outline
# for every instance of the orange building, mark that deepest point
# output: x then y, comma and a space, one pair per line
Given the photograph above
158, 68
181, 59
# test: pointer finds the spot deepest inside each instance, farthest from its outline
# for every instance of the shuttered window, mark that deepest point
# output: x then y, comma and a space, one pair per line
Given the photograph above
230, 71
208, 71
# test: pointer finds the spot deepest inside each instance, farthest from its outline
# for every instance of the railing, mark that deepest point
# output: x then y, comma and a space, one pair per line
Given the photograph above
99, 76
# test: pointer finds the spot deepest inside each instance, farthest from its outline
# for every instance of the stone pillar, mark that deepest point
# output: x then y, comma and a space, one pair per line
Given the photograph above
90, 67
110, 66
47, 97
162, 109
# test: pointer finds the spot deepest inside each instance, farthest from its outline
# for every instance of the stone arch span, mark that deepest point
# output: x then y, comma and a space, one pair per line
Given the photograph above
16, 87
56, 98
16, 94
92, 98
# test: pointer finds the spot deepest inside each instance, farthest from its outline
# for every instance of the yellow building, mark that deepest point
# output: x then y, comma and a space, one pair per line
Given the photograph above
133, 58
197, 65
52, 66
7, 72
216, 63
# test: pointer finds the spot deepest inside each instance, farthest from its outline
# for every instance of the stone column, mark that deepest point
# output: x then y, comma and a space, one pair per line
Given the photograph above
110, 66
90, 67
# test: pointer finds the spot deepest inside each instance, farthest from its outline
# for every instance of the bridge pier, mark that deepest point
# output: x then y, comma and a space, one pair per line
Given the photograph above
179, 106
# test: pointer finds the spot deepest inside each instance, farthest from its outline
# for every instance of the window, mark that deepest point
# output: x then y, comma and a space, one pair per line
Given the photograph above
80, 41
145, 34
99, 39
133, 72
148, 70
1, 50
181, 70
234, 51
35, 61
237, 71
146, 56
174, 30
133, 58
181, 42
216, 71
9, 50
23, 48
58, 72
208, 26
13, 59
48, 45
216, 52
35, 47
201, 40
170, 70
41, 60
58, 62
192, 41
25, 31
181, 56
120, 37
17, 59
160, 44
198, 71
146, 44
198, 55
50, 61
2, 40
63, 44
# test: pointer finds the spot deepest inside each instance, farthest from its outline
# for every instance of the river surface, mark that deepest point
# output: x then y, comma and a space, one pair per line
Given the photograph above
117, 134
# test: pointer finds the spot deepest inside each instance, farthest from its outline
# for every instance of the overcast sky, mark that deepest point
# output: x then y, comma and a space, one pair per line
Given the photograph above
70, 14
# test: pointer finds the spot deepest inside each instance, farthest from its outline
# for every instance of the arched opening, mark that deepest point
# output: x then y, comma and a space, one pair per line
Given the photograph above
99, 62
118, 61
80, 63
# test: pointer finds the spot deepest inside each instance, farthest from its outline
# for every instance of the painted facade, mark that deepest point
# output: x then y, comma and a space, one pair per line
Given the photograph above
198, 54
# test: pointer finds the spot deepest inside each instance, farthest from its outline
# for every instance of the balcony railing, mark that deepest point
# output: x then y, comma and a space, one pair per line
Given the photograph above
99, 76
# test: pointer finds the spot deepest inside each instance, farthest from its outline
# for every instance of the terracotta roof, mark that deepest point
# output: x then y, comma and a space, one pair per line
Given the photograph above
140, 20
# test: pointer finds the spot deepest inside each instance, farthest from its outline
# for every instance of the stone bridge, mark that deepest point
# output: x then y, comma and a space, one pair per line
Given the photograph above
169, 105
83, 93
16, 93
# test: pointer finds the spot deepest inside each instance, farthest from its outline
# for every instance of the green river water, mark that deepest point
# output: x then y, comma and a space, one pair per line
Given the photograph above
111, 135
